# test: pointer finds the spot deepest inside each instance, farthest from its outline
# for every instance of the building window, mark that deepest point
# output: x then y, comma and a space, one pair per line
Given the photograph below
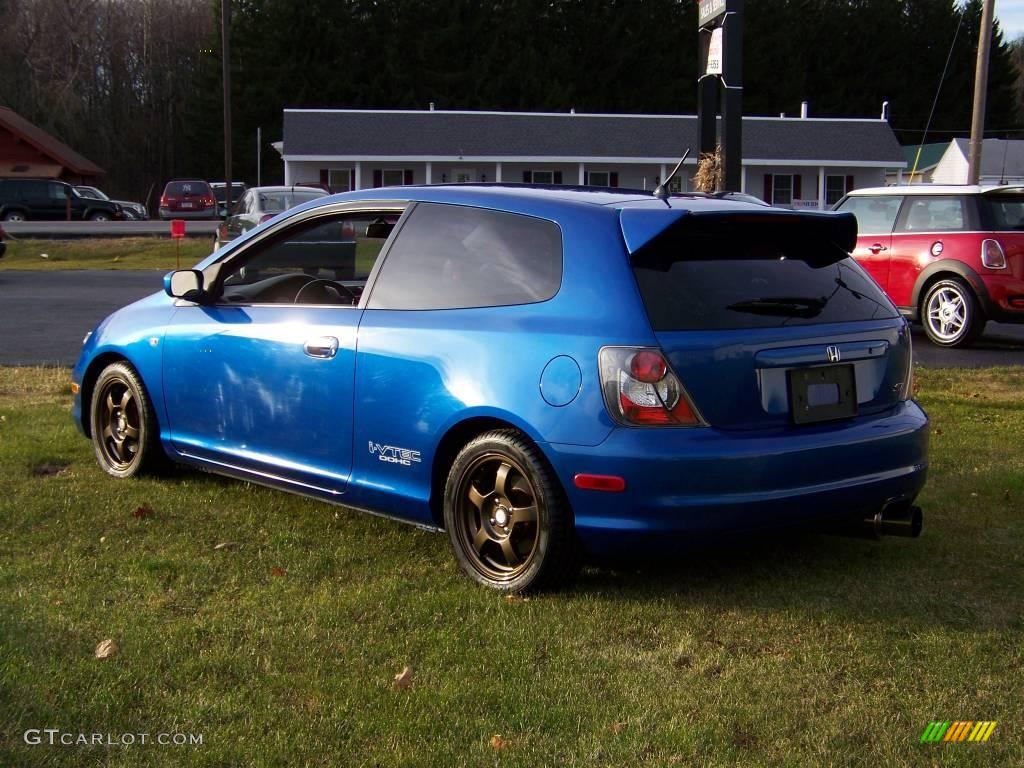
675, 185
393, 178
835, 188
542, 177
782, 189
339, 179
598, 179
462, 177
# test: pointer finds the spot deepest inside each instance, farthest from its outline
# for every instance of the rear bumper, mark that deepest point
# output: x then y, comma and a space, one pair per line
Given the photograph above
205, 215
1005, 301
684, 483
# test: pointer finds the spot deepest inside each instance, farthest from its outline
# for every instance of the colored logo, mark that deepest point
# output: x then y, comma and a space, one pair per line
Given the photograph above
958, 730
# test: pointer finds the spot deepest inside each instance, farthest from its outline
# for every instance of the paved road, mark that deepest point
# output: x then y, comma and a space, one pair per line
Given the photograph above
69, 229
44, 315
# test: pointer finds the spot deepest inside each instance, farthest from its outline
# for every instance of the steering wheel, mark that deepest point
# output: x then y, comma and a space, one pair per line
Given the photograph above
325, 289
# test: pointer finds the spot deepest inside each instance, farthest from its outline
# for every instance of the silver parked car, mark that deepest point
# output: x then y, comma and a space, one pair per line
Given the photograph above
258, 204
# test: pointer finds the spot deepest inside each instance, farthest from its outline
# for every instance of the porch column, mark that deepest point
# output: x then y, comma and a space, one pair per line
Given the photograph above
430, 173
357, 182
821, 188
287, 173
497, 172
583, 175
661, 178
743, 179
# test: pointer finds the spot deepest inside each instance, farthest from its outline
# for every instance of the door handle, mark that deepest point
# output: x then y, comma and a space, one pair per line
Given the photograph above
321, 346
877, 248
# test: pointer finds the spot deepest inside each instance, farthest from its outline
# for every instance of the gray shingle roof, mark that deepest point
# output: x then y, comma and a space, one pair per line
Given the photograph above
354, 133
999, 157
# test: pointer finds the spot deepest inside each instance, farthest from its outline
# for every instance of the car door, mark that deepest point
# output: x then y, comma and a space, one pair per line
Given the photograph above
876, 215
926, 231
259, 377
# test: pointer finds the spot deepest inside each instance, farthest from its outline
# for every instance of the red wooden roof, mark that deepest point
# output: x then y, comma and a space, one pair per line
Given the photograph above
47, 144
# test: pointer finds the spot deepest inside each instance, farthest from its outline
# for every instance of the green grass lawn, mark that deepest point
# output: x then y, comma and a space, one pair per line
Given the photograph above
133, 253
103, 253
281, 648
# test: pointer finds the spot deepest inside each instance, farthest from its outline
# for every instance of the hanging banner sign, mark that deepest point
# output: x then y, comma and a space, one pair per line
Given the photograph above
708, 10
715, 53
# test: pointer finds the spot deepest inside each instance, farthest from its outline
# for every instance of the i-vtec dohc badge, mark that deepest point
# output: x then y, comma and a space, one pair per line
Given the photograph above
392, 454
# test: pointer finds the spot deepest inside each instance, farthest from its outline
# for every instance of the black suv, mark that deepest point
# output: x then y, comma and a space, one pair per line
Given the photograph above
45, 199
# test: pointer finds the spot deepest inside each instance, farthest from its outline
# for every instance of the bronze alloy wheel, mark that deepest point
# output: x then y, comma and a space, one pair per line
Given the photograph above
124, 431
505, 516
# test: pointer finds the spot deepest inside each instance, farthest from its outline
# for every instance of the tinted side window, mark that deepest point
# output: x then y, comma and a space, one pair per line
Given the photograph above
875, 215
933, 214
451, 256
1004, 212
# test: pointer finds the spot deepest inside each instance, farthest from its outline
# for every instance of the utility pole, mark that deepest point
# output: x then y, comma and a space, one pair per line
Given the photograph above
225, 45
980, 87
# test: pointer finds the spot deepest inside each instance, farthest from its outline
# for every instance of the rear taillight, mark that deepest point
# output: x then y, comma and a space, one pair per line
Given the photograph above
165, 201
992, 255
641, 390
908, 376
207, 201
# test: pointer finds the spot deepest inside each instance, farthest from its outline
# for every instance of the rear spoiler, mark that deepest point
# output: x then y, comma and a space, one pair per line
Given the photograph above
642, 227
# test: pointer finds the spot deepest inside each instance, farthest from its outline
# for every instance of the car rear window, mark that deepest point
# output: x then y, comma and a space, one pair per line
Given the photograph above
751, 279
188, 188
1004, 212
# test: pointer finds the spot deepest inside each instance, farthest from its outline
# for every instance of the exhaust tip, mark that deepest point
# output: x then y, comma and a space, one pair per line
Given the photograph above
904, 520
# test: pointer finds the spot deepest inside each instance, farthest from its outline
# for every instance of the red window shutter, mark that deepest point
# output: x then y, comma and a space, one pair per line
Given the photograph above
558, 177
768, 188
378, 177
325, 179
408, 177
849, 183
797, 183
613, 179
527, 177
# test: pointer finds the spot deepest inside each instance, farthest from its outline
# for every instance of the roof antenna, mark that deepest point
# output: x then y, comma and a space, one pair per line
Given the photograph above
661, 191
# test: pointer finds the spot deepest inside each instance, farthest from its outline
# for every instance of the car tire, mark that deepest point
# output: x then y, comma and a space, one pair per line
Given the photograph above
99, 216
15, 216
125, 433
951, 314
508, 521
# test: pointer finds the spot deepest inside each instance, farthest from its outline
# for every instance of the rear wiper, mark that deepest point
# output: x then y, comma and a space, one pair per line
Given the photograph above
783, 306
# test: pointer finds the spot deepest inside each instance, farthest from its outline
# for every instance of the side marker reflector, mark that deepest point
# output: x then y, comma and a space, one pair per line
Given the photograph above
607, 483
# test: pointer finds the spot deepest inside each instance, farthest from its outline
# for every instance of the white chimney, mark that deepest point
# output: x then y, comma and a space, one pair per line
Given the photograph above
885, 110
431, 106
803, 110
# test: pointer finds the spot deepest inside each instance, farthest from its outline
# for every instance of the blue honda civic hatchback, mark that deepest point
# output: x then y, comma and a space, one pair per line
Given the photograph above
544, 373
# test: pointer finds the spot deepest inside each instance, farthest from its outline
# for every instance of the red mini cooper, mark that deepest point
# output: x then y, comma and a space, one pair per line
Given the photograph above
950, 257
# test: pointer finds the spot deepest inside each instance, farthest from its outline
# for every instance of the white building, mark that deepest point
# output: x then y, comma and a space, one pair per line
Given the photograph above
1002, 162
798, 162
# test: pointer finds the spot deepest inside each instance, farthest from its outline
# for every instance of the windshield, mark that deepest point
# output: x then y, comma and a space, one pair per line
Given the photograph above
275, 202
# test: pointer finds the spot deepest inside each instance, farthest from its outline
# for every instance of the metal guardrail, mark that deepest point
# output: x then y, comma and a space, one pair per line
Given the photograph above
59, 230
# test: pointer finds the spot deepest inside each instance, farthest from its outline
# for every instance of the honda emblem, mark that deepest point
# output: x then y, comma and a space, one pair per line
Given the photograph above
832, 352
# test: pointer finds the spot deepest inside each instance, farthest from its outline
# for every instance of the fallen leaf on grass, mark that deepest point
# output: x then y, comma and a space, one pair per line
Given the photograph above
106, 649
143, 512
497, 742
49, 470
617, 728
403, 679
276, 571
516, 599
226, 545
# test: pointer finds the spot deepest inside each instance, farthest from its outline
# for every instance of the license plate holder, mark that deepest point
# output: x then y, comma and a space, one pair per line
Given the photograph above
187, 205
822, 393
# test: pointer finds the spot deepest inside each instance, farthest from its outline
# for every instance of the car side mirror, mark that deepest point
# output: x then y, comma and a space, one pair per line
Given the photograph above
184, 284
